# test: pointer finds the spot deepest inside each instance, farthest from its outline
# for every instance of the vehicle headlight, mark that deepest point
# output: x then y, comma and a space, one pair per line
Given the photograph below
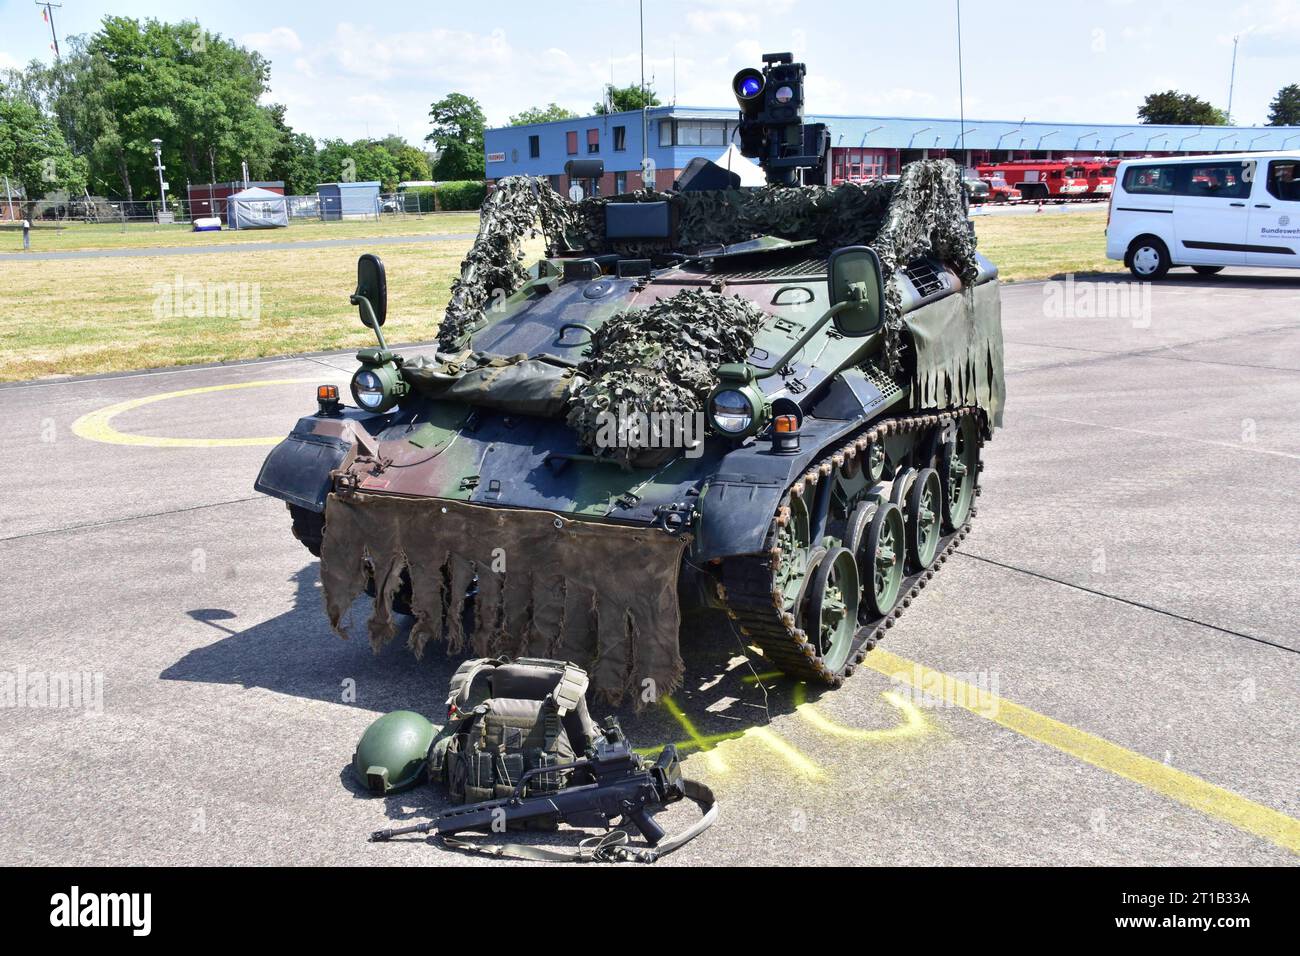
378, 388
736, 411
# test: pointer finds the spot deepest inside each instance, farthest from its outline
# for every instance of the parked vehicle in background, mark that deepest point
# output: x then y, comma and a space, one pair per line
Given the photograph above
1207, 212
1040, 179
1001, 191
1101, 175
977, 190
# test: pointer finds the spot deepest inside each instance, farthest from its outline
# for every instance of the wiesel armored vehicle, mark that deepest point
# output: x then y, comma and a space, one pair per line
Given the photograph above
768, 402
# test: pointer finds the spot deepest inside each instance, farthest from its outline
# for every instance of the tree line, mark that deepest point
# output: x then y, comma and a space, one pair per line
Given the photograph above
1183, 109
86, 122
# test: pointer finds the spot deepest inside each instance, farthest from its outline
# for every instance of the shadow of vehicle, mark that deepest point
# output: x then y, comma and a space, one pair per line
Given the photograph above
727, 689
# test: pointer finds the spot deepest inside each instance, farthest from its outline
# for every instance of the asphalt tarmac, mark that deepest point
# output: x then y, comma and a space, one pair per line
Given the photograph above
1120, 631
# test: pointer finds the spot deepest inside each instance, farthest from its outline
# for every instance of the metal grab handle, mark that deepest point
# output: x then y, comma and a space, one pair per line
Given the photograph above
591, 333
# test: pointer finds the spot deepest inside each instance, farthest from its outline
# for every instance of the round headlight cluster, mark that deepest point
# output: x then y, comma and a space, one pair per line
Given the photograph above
731, 412
368, 390
737, 410
377, 388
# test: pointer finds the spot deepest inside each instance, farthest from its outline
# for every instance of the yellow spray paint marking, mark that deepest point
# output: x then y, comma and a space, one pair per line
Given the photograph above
1188, 790
707, 743
790, 754
914, 722
96, 426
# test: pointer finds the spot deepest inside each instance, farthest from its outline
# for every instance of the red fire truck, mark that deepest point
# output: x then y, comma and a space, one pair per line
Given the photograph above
1041, 178
1101, 175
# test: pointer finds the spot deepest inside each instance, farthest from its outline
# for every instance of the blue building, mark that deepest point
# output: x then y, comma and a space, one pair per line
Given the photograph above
861, 146
348, 200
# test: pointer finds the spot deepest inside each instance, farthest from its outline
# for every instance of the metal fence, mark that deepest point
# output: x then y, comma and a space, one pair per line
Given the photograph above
135, 213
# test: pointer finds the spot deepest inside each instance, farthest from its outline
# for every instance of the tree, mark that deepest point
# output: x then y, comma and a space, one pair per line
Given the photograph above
1180, 109
622, 99
295, 159
132, 81
1285, 108
413, 165
458, 124
539, 114
33, 153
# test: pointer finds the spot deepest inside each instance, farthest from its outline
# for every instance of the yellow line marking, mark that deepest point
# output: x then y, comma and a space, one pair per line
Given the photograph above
1177, 785
914, 722
95, 426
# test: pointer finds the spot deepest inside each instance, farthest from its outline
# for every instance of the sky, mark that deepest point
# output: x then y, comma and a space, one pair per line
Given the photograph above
350, 70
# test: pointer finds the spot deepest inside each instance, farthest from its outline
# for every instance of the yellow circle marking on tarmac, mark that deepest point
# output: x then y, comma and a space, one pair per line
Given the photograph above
96, 426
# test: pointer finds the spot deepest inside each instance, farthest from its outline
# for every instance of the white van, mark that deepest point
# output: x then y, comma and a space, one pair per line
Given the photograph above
1206, 212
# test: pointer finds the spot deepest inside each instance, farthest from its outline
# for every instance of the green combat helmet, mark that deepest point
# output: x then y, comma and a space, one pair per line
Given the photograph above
391, 754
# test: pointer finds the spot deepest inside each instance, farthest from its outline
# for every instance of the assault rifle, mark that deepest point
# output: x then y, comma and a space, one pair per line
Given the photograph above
617, 782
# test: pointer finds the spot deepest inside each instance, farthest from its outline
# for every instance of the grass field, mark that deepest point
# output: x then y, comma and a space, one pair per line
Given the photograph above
80, 235
1047, 244
85, 316
105, 315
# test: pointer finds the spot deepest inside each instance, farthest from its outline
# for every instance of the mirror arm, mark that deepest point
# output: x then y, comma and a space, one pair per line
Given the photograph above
794, 350
369, 310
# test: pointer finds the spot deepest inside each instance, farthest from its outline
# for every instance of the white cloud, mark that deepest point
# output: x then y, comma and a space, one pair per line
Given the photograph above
8, 62
275, 40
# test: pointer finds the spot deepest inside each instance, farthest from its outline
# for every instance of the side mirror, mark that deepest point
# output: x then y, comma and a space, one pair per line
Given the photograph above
857, 287
371, 296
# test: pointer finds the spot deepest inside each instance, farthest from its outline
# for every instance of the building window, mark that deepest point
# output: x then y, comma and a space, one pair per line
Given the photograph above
620, 180
593, 141
620, 140
534, 147
572, 138
695, 132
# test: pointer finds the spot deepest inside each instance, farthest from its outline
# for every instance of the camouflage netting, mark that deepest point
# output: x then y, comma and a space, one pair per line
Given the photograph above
923, 213
508, 217
603, 596
661, 359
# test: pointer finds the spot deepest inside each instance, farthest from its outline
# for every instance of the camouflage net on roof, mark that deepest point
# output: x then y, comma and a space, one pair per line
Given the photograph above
659, 361
923, 213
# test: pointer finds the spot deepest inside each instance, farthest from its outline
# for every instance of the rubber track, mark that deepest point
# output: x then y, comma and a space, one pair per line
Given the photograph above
748, 586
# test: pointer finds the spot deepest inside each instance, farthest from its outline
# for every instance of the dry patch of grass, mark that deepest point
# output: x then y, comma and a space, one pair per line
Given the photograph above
1046, 244
106, 315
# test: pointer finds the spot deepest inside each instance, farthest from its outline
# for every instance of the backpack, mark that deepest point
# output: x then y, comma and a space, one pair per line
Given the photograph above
506, 718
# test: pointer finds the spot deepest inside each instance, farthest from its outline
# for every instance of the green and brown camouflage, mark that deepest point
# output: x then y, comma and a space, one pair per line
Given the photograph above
830, 359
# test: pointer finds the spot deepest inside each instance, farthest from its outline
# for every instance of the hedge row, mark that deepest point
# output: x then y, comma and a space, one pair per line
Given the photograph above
458, 194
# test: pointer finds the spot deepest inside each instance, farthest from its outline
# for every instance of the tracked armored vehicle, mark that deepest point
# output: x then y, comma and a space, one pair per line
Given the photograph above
766, 403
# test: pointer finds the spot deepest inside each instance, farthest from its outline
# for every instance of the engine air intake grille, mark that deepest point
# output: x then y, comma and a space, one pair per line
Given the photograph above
925, 278
786, 270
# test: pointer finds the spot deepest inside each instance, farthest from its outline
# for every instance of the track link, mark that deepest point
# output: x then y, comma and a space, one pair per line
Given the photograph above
748, 587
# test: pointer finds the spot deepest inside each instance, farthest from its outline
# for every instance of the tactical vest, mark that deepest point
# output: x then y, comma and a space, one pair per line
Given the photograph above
505, 718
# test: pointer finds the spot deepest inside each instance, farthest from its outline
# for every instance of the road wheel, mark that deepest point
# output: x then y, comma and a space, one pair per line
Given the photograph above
880, 561
1207, 270
831, 617
924, 516
1148, 258
960, 471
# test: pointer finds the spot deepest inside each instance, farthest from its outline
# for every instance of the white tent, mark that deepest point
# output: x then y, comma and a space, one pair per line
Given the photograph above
256, 208
750, 173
